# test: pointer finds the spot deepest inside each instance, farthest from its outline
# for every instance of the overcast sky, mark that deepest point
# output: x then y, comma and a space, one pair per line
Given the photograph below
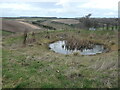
59, 8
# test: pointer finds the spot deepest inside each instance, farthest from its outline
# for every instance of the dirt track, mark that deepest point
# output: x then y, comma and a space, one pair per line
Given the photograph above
17, 26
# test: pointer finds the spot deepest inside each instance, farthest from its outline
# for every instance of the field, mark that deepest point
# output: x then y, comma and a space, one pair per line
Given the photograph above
34, 65
17, 26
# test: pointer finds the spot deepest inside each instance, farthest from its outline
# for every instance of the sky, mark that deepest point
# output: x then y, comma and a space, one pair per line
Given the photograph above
59, 8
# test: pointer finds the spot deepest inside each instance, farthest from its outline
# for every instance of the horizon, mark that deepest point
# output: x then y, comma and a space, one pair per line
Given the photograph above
52, 17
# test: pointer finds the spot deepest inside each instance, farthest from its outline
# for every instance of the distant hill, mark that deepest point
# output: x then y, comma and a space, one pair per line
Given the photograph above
17, 26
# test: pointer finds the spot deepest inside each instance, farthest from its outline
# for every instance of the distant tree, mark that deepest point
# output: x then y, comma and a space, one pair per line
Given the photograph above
86, 21
104, 25
107, 26
116, 26
112, 27
94, 23
88, 16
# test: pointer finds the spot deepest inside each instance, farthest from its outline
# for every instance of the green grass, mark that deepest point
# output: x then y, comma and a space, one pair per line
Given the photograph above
6, 33
38, 67
57, 25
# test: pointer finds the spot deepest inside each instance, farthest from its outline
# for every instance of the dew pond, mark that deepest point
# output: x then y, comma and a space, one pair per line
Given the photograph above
60, 47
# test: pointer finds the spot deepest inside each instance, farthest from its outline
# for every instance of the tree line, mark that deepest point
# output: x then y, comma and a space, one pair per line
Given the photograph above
103, 23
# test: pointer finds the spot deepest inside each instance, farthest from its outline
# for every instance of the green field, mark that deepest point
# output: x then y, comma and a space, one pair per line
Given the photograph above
35, 66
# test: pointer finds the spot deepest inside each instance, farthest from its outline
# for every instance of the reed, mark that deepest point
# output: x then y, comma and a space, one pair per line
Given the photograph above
73, 43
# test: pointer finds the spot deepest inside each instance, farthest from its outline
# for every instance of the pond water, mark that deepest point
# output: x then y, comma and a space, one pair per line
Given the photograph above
59, 47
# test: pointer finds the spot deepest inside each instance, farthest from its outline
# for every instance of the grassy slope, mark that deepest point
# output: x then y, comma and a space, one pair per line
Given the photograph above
38, 67
56, 25
6, 33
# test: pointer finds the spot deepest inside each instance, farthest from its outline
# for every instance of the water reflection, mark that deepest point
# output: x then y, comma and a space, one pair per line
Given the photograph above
61, 47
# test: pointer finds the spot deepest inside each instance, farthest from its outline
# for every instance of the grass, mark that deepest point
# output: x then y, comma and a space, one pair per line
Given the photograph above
58, 25
38, 67
6, 33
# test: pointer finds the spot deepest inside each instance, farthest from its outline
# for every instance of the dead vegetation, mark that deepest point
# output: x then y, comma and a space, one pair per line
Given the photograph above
73, 43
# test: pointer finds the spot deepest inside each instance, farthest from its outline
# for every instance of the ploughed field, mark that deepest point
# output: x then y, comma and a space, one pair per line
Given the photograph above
17, 26
35, 65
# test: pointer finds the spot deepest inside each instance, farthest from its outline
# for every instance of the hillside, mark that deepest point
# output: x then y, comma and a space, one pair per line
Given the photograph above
17, 26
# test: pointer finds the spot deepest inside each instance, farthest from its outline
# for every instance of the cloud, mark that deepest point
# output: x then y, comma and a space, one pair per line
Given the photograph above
64, 3
28, 0
109, 14
16, 6
21, 9
61, 8
101, 4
